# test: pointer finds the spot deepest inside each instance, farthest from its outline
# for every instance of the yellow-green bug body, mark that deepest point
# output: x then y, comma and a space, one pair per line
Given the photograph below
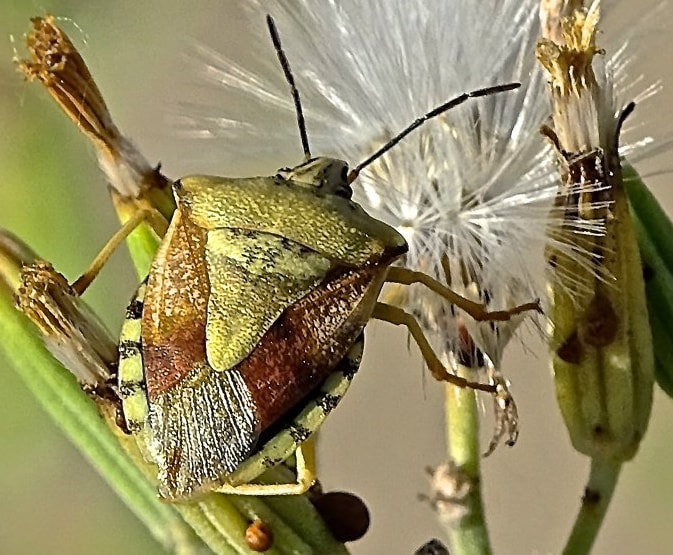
249, 327
250, 324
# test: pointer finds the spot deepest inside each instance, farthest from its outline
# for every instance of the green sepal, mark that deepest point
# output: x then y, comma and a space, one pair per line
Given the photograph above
654, 231
604, 384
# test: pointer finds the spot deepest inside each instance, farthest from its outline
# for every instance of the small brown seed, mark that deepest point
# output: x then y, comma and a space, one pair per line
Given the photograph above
259, 536
345, 514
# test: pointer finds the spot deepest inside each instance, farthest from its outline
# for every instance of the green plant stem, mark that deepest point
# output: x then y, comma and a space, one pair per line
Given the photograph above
468, 534
597, 495
60, 395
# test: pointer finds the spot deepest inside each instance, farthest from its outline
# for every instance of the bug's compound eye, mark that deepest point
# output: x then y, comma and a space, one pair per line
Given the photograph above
328, 176
335, 179
344, 189
344, 173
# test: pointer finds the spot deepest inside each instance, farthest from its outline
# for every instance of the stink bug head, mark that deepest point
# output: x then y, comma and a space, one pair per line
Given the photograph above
328, 176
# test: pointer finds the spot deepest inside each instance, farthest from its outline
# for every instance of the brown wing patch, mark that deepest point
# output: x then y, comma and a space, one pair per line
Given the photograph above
308, 340
175, 307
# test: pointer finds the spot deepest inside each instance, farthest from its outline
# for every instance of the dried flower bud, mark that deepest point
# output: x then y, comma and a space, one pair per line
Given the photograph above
73, 334
603, 359
56, 63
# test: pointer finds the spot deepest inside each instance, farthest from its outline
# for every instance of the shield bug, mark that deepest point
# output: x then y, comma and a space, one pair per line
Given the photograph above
249, 327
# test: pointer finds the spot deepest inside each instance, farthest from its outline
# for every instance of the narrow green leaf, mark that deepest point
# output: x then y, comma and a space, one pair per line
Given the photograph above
654, 231
60, 395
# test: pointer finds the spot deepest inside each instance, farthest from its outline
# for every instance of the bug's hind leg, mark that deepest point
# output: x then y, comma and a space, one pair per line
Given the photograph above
306, 475
152, 216
478, 311
400, 317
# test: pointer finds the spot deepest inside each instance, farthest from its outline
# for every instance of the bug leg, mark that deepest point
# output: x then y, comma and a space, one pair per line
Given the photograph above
306, 475
478, 311
399, 317
152, 216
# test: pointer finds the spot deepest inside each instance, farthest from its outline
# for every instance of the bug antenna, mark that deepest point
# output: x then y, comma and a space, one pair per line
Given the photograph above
282, 58
431, 114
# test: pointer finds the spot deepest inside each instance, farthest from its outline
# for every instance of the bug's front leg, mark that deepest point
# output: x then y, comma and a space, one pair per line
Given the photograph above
399, 317
149, 215
478, 311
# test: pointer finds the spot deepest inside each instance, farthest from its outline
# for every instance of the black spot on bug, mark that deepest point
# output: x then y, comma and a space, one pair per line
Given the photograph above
270, 462
134, 310
299, 433
129, 349
248, 233
328, 402
350, 369
305, 250
133, 426
126, 389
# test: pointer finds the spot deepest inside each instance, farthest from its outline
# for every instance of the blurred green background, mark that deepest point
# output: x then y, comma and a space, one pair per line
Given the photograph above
390, 426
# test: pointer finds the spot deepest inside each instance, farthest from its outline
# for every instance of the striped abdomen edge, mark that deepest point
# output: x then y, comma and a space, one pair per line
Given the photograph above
131, 373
